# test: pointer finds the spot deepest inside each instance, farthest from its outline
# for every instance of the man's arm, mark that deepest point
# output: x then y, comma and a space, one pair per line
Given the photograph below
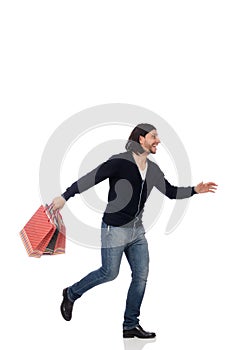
175, 192
100, 173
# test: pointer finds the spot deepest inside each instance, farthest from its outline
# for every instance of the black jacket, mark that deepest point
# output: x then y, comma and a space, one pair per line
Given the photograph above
128, 192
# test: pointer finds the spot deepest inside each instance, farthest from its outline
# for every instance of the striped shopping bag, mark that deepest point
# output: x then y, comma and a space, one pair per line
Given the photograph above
44, 233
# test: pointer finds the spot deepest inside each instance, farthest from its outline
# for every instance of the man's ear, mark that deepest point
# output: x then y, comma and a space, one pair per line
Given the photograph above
141, 138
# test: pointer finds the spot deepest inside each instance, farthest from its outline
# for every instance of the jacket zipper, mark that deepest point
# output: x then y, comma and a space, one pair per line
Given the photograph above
136, 219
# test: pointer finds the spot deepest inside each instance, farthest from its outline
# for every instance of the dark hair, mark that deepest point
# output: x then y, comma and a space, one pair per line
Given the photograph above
133, 143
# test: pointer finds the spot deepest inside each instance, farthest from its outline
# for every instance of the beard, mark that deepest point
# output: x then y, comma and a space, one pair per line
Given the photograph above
153, 149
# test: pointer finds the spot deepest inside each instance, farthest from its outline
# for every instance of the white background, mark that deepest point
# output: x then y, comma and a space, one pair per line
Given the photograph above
172, 57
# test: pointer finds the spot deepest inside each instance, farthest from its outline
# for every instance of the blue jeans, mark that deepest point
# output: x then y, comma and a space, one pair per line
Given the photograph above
116, 241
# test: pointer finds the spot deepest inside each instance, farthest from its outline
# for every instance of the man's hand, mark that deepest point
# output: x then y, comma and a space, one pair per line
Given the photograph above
207, 187
58, 203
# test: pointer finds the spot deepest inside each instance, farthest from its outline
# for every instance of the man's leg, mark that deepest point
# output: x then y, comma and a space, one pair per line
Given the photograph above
111, 259
138, 257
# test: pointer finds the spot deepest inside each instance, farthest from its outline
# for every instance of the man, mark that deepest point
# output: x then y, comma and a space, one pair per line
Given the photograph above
131, 178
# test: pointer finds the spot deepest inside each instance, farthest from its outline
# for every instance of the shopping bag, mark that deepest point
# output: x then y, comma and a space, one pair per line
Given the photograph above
44, 233
57, 243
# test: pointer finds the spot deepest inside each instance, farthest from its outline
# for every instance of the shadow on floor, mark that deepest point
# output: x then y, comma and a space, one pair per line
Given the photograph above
136, 343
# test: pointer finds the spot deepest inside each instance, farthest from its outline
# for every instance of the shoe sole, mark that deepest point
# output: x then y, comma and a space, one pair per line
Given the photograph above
136, 336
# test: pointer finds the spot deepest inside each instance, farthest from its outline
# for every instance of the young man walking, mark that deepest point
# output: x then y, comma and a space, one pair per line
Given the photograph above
131, 178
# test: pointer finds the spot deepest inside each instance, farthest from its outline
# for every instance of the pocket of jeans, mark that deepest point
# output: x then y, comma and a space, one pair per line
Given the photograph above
104, 225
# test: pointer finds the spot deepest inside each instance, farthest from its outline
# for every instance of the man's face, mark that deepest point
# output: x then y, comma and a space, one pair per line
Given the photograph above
150, 141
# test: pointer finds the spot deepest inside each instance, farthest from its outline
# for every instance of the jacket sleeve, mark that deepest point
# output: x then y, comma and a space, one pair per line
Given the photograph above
100, 173
172, 192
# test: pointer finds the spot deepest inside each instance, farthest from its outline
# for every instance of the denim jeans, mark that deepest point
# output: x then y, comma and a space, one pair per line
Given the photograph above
114, 242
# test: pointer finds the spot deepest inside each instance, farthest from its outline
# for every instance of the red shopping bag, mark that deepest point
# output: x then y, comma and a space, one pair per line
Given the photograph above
44, 233
57, 243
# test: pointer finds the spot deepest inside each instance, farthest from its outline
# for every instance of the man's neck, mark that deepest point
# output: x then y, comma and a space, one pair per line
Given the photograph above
141, 159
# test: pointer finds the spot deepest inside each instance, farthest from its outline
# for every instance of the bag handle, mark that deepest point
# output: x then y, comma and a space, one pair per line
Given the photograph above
53, 213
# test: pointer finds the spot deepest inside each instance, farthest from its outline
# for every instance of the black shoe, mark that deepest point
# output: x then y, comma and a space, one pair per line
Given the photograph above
137, 332
66, 306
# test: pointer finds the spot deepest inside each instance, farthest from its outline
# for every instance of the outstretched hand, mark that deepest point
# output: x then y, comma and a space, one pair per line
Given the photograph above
207, 187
